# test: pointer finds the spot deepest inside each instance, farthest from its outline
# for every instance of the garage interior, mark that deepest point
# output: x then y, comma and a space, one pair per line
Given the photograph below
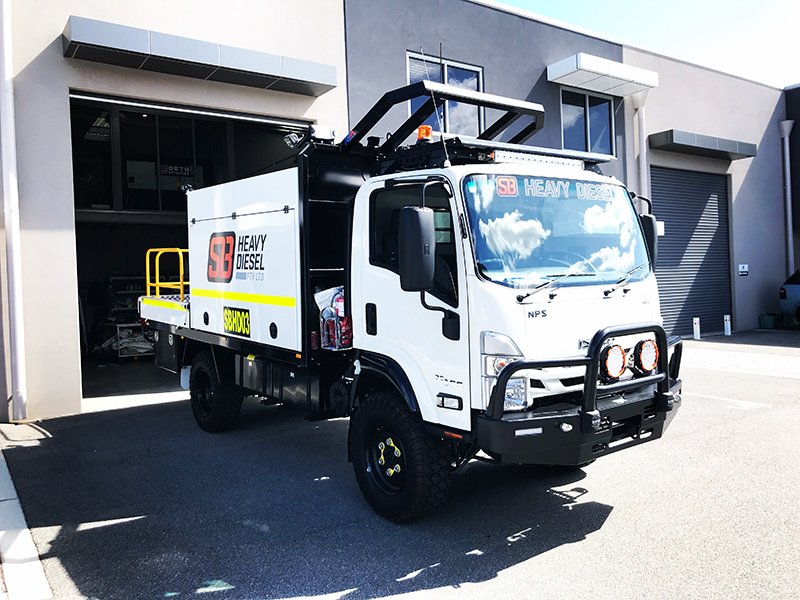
131, 165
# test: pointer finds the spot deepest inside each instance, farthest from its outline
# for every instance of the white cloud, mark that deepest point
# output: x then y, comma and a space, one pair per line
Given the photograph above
512, 238
484, 192
611, 218
570, 116
463, 119
611, 259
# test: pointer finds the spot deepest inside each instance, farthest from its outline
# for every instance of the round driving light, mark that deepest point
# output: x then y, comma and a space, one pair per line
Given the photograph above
645, 356
565, 427
612, 362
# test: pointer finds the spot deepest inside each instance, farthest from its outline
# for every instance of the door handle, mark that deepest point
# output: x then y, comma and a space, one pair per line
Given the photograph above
371, 314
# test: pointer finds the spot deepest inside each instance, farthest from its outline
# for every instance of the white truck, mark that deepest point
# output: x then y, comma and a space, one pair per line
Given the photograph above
459, 298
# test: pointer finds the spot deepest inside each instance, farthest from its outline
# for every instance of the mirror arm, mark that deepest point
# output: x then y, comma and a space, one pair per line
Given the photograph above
450, 332
430, 307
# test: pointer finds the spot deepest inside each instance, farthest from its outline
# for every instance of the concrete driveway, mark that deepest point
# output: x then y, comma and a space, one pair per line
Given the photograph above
139, 503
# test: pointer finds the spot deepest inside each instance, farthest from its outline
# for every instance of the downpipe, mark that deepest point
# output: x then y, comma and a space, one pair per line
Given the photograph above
639, 100
8, 150
786, 130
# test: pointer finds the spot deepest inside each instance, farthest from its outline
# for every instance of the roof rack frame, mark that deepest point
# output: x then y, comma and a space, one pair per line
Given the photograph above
438, 94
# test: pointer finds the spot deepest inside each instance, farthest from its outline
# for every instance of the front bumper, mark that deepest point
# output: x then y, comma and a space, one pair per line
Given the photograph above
610, 418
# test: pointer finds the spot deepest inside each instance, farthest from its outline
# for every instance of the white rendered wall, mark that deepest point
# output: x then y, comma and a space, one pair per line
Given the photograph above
311, 30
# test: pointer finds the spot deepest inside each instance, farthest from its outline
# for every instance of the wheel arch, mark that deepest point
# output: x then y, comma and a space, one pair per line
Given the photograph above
222, 357
381, 371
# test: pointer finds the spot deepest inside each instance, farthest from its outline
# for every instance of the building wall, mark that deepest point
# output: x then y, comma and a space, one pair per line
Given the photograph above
43, 79
700, 100
513, 51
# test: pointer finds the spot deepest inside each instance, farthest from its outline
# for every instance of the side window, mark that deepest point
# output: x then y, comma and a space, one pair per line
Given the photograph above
385, 208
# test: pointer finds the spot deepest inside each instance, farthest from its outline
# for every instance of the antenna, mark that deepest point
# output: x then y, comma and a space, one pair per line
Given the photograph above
435, 108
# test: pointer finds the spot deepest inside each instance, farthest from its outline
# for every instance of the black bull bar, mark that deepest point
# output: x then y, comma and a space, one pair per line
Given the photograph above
599, 427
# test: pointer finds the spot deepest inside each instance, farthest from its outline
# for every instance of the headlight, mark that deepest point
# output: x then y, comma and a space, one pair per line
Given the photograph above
494, 364
612, 362
498, 344
516, 395
498, 351
645, 356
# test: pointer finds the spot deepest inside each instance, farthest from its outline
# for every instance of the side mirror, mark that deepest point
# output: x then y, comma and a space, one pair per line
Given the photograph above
417, 249
650, 230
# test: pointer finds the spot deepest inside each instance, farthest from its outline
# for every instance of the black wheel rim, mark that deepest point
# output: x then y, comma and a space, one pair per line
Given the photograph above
203, 393
386, 461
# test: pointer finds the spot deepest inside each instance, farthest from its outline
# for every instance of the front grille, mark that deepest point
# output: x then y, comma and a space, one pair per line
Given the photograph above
569, 382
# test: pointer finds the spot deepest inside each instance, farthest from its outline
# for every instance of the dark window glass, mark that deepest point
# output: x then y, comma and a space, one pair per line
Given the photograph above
211, 165
385, 209
91, 156
176, 161
139, 158
600, 124
462, 118
257, 148
159, 153
419, 70
573, 120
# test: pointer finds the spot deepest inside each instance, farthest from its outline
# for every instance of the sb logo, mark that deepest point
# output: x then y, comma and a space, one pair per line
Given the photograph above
220, 256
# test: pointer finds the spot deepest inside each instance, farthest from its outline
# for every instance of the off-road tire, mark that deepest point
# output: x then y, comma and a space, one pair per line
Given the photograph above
425, 482
216, 405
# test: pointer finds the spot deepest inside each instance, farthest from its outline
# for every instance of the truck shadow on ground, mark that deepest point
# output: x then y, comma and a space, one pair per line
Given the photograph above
140, 503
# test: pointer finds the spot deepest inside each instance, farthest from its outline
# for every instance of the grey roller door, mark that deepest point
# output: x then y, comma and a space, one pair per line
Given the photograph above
693, 268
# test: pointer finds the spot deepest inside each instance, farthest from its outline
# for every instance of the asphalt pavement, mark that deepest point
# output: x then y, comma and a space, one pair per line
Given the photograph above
139, 503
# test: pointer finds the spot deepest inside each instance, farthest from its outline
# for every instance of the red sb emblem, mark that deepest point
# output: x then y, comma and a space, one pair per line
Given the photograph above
220, 256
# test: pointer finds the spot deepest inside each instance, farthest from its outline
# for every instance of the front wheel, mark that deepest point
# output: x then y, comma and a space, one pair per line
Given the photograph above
402, 471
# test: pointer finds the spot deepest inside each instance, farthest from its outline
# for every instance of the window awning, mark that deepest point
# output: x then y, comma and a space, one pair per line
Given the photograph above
674, 140
597, 74
109, 43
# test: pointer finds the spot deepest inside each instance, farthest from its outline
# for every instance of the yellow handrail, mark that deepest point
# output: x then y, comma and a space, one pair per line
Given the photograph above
157, 284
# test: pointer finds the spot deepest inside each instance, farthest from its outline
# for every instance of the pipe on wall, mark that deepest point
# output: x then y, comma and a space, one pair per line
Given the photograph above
8, 150
639, 99
786, 130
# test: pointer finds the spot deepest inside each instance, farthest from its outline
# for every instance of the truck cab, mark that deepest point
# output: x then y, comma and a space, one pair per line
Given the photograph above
500, 303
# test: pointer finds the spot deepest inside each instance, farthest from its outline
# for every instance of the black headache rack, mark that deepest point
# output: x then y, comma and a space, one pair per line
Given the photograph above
611, 417
525, 118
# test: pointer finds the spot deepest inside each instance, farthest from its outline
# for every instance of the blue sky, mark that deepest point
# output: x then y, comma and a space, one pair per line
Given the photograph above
756, 39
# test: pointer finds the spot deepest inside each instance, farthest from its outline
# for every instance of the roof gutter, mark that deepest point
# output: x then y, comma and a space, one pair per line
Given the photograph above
8, 150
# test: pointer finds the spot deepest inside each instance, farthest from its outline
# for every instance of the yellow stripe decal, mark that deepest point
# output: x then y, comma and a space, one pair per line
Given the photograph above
163, 304
243, 297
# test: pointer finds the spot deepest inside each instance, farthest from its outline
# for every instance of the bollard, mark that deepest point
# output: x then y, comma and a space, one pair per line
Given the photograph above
727, 320
696, 327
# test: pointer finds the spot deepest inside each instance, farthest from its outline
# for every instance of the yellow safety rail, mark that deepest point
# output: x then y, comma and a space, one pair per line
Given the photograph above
181, 285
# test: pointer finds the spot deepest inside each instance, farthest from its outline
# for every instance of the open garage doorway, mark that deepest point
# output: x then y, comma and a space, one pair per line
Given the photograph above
132, 162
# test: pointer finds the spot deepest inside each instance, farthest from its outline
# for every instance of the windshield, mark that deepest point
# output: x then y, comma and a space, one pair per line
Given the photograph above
527, 231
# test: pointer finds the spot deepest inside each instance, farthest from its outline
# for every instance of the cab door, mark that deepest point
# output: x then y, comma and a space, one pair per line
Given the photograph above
430, 344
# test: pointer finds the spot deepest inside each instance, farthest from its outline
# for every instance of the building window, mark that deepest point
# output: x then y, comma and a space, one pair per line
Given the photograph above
587, 122
456, 117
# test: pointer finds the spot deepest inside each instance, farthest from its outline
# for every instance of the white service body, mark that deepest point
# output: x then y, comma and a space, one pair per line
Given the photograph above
244, 259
